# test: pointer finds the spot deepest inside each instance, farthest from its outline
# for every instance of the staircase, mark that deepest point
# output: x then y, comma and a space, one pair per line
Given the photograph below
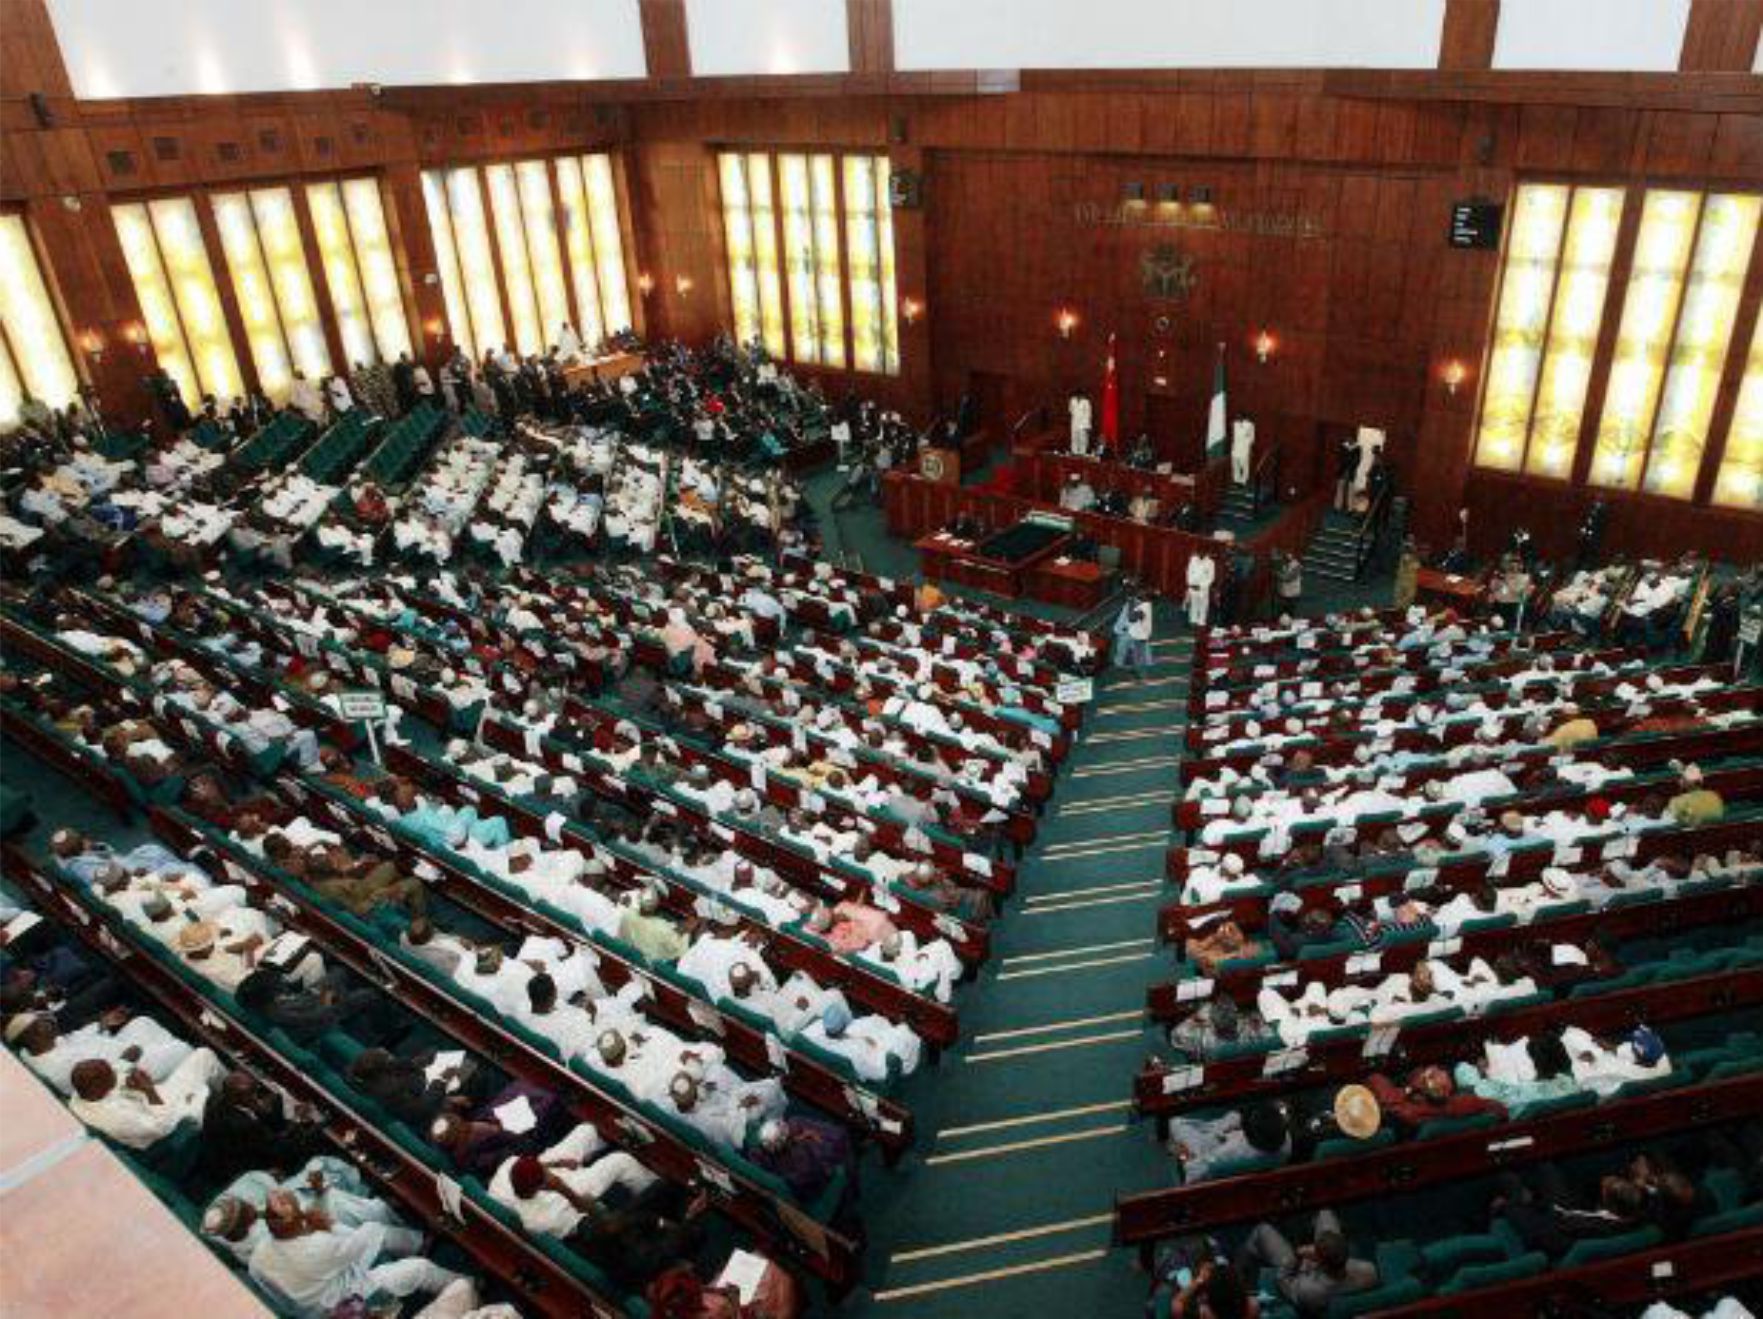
1333, 552
1237, 513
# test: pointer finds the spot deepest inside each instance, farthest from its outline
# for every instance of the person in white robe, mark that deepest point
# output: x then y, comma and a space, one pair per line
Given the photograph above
573, 1173
314, 1266
115, 1038
1201, 573
1242, 449
135, 1110
305, 397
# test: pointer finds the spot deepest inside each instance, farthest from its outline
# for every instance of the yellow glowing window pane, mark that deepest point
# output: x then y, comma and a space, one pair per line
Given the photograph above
737, 228
198, 300
11, 391
864, 260
826, 261
477, 264
798, 254
140, 251
330, 226
1526, 283
615, 302
517, 275
278, 232
1573, 330
43, 365
884, 225
1655, 286
378, 267
578, 242
793, 188
256, 298
1704, 332
1740, 483
534, 178
434, 196
765, 254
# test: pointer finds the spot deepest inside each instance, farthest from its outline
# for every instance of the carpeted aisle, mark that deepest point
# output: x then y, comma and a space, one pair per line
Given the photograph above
1025, 1131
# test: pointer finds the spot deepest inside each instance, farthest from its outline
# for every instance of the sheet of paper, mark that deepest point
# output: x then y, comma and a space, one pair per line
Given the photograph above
517, 1116
444, 1063
744, 1272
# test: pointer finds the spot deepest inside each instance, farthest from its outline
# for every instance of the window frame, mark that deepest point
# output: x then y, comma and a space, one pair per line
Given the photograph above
775, 153
1748, 310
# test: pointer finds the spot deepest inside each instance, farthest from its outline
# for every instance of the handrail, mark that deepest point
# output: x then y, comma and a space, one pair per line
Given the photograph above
1365, 539
1264, 474
1037, 415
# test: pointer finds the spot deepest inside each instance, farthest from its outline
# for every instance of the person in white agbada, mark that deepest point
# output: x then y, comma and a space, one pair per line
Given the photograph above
1081, 413
305, 397
551, 1193
234, 1221
569, 343
138, 1041
315, 1266
1242, 448
135, 1110
1202, 572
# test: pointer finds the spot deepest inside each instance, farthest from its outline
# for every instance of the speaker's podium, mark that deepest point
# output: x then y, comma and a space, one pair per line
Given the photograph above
940, 465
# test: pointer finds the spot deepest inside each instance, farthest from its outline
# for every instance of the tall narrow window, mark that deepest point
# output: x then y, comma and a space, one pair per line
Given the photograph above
434, 196
615, 303
528, 264
174, 284
359, 270
1578, 311
336, 253
1527, 282
33, 354
379, 268
1740, 483
1698, 353
261, 239
798, 220
517, 275
541, 246
578, 242
869, 252
1655, 288
837, 261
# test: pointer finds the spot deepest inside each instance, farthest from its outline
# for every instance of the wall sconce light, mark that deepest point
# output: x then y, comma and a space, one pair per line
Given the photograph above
682, 285
1263, 347
136, 333
1067, 322
432, 327
1454, 376
92, 344
910, 310
645, 283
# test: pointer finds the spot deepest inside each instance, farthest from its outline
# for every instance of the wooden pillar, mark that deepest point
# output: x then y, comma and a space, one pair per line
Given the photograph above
1467, 41
666, 47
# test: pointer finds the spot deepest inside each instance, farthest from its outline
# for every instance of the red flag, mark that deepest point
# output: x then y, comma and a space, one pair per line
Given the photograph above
1111, 398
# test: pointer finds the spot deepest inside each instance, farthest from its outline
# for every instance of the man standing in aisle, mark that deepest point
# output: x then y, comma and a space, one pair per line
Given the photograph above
1132, 632
1202, 572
